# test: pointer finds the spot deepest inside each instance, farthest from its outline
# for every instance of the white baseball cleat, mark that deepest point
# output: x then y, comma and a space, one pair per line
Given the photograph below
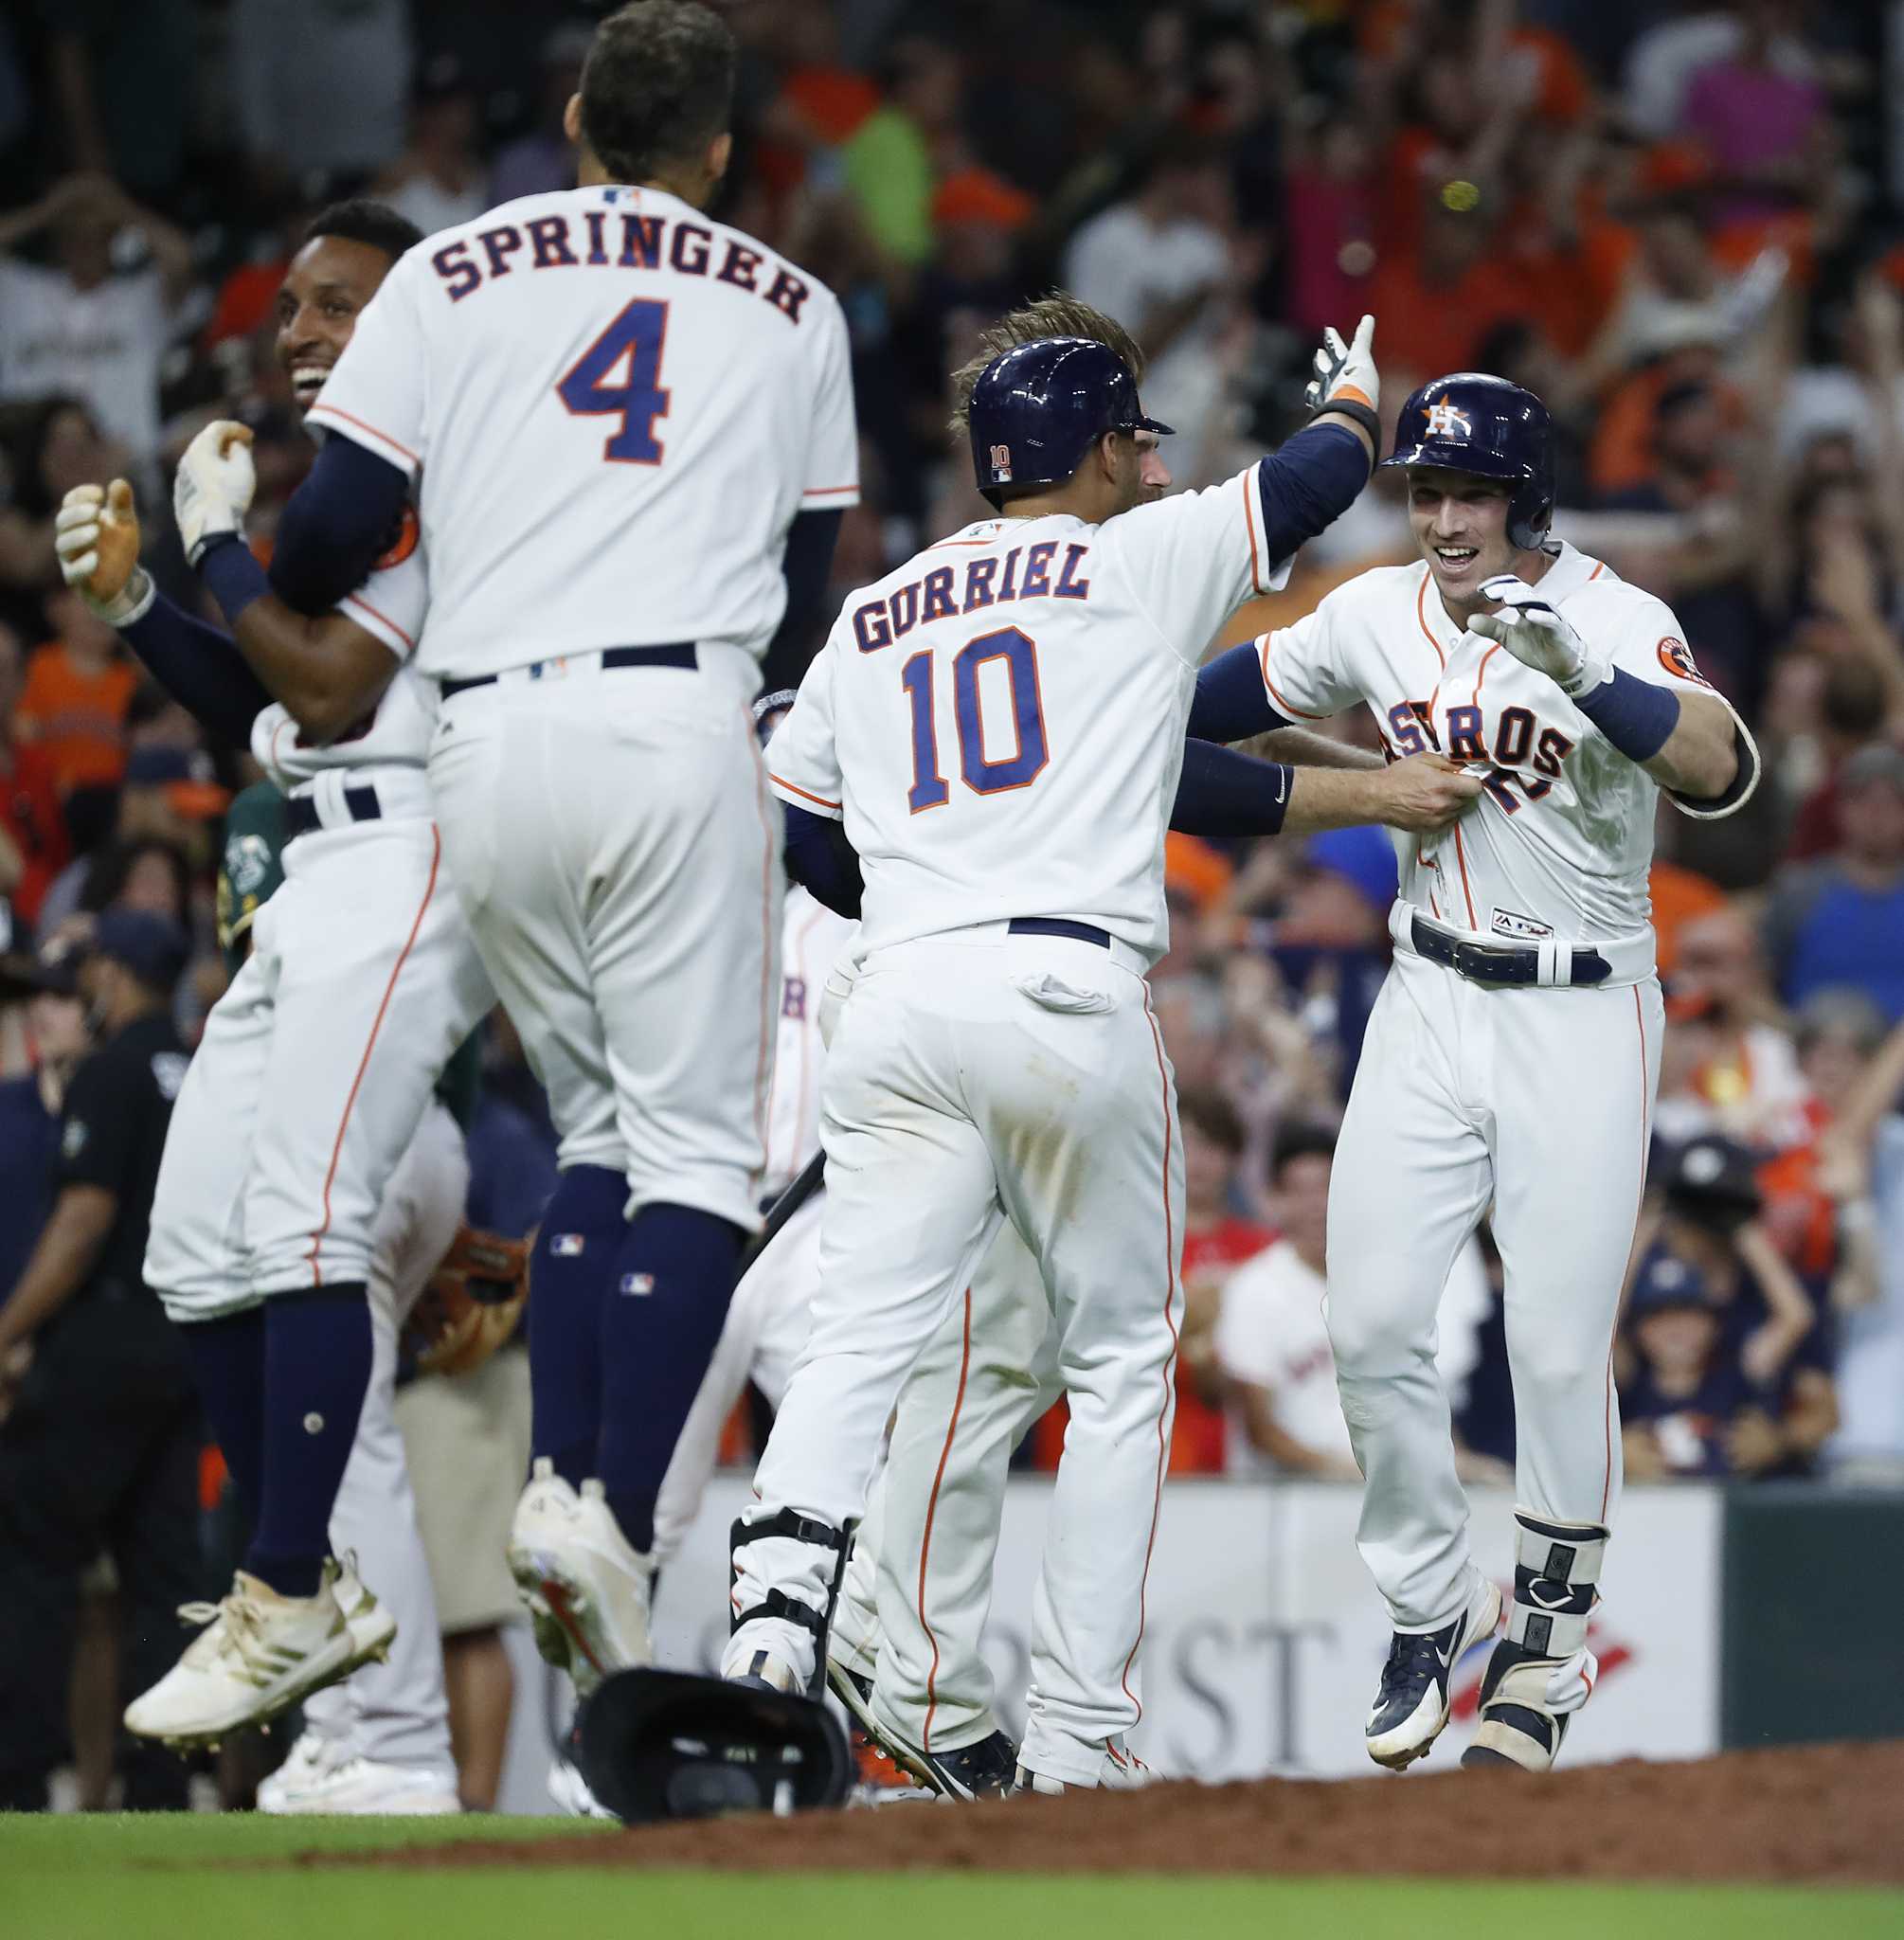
1122, 1770
307, 1759
1412, 1702
365, 1787
258, 1653
586, 1589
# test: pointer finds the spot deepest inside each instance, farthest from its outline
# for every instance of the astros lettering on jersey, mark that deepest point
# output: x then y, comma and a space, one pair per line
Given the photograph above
1560, 844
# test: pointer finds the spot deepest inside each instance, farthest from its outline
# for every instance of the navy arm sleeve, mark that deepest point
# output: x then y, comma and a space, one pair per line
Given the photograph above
1231, 702
1309, 484
1223, 793
805, 566
200, 668
820, 859
339, 522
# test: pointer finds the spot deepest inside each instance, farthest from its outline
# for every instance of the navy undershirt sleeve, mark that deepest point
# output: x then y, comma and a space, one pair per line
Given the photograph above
201, 668
805, 566
819, 858
338, 523
1231, 702
1223, 793
1309, 484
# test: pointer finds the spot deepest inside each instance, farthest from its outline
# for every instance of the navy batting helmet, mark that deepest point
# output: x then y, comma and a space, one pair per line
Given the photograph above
1039, 407
1473, 423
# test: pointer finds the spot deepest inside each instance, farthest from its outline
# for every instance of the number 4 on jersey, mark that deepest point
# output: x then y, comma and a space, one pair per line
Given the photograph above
594, 389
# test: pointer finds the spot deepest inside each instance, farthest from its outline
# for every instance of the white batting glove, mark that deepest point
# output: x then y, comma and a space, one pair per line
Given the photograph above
96, 538
1537, 636
1346, 379
214, 487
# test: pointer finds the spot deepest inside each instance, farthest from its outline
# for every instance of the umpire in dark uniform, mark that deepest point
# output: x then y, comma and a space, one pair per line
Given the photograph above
101, 1451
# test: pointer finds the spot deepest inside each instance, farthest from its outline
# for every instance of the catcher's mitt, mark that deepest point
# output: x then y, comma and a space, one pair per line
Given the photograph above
472, 1305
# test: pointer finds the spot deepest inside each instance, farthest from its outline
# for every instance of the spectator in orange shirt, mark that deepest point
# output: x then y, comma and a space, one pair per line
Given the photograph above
73, 704
1217, 1241
1438, 303
33, 844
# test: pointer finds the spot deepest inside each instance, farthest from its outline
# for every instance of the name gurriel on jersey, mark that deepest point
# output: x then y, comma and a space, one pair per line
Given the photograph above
989, 582
614, 239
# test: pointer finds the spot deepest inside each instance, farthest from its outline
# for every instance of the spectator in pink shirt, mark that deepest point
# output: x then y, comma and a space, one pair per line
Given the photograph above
1766, 129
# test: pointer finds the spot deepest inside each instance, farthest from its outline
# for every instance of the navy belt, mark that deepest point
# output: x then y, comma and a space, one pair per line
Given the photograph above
1498, 962
675, 654
301, 817
1060, 925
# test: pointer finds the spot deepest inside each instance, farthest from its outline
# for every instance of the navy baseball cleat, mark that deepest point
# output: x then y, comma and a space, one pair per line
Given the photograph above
1411, 1706
984, 1771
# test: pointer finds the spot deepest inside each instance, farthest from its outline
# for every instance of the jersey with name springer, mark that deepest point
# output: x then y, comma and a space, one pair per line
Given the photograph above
615, 406
1560, 844
999, 722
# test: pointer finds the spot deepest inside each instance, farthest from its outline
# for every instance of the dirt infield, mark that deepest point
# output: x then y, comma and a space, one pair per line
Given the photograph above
1825, 1813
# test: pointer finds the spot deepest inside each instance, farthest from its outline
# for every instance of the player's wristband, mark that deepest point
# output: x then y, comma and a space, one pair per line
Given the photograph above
230, 568
1356, 412
1635, 715
1222, 793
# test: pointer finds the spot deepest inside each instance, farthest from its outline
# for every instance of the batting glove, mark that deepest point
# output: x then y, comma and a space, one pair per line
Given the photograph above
1537, 636
214, 487
1346, 379
96, 536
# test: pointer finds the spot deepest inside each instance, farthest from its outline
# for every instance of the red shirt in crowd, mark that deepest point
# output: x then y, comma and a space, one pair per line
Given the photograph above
31, 818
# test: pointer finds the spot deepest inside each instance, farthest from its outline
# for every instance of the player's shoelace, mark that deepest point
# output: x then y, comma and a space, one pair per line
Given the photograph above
1412, 1662
236, 1631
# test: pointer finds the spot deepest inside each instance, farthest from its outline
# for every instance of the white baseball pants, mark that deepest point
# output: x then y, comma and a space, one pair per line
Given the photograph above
973, 1077
1537, 1101
313, 1071
618, 854
918, 1590
396, 1713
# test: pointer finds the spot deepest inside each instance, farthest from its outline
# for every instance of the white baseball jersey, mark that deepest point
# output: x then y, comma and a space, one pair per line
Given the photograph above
617, 407
999, 722
396, 733
1560, 845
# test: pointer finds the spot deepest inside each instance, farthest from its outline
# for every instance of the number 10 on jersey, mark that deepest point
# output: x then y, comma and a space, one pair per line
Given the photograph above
1030, 750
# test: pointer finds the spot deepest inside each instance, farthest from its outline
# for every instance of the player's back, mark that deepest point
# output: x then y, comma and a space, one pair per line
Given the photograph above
617, 406
1007, 718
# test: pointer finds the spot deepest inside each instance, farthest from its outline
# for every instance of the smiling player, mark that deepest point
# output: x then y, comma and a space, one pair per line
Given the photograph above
319, 1061
1513, 1053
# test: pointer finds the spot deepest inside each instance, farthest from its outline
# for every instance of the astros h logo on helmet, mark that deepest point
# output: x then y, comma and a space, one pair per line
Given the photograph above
1448, 420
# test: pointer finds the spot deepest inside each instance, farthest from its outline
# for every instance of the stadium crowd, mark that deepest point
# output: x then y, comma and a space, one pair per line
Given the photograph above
1678, 225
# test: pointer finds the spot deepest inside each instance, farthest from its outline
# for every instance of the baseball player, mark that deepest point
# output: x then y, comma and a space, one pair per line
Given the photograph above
993, 734
1513, 1054
631, 432
317, 1064
378, 1743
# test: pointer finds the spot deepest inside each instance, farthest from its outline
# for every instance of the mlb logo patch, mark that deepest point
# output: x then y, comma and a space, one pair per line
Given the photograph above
1449, 420
1001, 462
567, 1246
637, 1284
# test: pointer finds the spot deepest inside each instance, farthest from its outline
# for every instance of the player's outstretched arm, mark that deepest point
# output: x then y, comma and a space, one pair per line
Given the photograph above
1222, 793
328, 670
96, 535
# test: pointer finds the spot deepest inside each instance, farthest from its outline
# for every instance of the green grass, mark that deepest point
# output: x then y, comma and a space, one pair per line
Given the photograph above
217, 1879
